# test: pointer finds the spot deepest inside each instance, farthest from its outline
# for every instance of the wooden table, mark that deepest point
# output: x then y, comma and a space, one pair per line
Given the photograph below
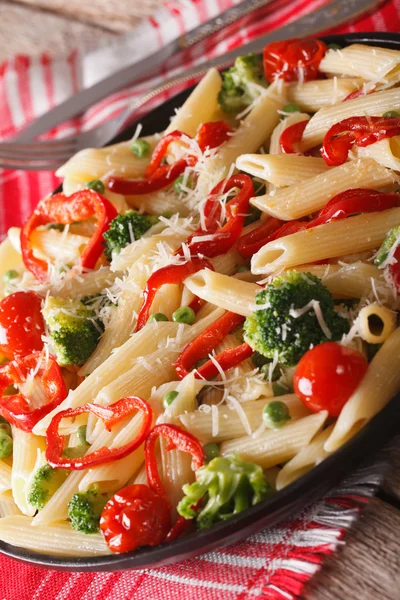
367, 568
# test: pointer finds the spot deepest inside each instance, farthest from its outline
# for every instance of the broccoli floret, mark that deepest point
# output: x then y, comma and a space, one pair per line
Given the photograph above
74, 330
228, 485
84, 510
45, 483
241, 83
278, 331
125, 229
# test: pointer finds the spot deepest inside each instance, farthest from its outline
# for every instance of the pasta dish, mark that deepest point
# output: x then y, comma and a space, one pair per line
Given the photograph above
203, 314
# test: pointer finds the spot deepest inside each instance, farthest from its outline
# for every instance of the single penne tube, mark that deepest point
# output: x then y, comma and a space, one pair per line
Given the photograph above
200, 107
185, 401
98, 163
255, 128
281, 169
386, 152
26, 447
230, 422
51, 244
380, 383
59, 539
224, 291
141, 343
368, 62
5, 477
310, 196
371, 104
275, 446
310, 96
337, 238
308, 457
112, 477
376, 323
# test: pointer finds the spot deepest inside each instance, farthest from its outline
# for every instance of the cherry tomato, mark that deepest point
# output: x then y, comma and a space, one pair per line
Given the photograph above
21, 324
286, 59
135, 516
327, 375
213, 134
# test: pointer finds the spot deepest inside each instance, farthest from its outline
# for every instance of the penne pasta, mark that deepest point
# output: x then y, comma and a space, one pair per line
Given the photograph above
59, 538
273, 447
312, 195
379, 385
358, 60
333, 239
373, 104
310, 96
281, 170
229, 423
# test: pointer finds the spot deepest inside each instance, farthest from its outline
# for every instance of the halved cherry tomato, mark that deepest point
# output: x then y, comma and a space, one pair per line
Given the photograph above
135, 516
21, 324
286, 59
327, 376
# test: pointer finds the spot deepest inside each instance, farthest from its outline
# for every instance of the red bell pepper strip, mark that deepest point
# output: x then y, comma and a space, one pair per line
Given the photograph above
158, 176
355, 201
173, 274
206, 342
162, 177
358, 94
110, 415
293, 60
65, 210
236, 210
291, 137
250, 243
19, 410
343, 205
361, 131
176, 439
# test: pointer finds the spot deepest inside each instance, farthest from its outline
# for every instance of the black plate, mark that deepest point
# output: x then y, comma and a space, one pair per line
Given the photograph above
294, 497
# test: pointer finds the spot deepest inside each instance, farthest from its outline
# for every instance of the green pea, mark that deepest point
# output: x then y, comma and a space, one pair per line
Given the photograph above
140, 148
334, 47
75, 451
275, 414
181, 183
81, 435
211, 451
291, 108
10, 275
96, 185
391, 114
6, 444
157, 317
279, 389
169, 397
6, 427
184, 314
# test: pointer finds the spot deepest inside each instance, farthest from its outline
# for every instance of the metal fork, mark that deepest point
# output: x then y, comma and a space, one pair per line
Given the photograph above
50, 154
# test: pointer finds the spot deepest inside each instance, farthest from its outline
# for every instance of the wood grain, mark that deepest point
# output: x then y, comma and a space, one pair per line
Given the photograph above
367, 567
25, 30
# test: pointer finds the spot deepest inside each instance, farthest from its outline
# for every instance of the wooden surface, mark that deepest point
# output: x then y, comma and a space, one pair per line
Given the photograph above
367, 567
